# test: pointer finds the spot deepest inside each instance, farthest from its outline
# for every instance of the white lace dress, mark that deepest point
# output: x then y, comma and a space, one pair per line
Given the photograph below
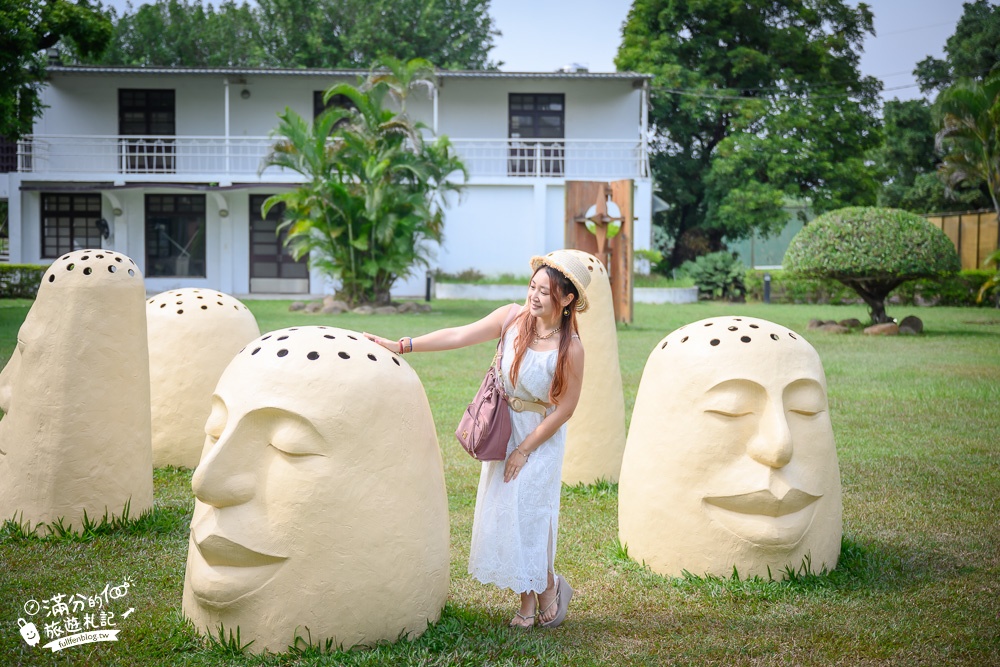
515, 526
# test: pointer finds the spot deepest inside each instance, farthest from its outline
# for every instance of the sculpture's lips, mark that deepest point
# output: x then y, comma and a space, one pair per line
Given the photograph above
227, 571
764, 502
221, 552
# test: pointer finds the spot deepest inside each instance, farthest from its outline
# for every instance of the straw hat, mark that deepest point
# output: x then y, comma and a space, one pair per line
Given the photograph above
570, 265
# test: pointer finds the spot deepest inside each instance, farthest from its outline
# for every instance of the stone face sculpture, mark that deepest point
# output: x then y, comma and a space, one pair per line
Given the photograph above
730, 459
321, 508
75, 436
193, 334
595, 439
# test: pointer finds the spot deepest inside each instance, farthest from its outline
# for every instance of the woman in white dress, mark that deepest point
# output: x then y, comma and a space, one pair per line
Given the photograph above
517, 505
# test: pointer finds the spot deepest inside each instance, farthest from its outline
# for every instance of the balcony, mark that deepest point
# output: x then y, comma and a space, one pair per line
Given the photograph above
214, 159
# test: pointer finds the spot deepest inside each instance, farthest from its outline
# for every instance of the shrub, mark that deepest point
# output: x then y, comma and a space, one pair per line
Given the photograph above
872, 251
718, 275
955, 290
20, 281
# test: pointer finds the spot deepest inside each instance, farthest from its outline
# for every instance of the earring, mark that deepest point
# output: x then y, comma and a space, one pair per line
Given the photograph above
565, 312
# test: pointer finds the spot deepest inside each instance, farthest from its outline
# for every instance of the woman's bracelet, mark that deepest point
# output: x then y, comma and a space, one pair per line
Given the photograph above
518, 450
408, 347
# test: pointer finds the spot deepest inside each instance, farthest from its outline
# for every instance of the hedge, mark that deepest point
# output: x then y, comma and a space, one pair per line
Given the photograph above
957, 290
20, 281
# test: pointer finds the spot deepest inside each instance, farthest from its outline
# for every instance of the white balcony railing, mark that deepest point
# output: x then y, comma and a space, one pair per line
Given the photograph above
220, 157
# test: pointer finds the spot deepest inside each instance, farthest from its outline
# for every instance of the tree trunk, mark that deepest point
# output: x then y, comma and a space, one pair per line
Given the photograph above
874, 293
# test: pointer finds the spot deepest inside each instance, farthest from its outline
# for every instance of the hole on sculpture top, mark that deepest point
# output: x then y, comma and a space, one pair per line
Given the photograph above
65, 257
196, 291
745, 339
118, 259
112, 268
708, 324
754, 326
204, 307
256, 350
219, 295
590, 268
395, 361
87, 271
219, 302
266, 337
178, 294
312, 356
774, 336
738, 319
235, 307
294, 329
100, 256
131, 260
792, 335
201, 297
351, 337
328, 336
281, 337
70, 267
685, 339
343, 355
714, 341
180, 312
85, 257
664, 345
180, 303
131, 272
282, 353
372, 357
163, 305
733, 328
52, 279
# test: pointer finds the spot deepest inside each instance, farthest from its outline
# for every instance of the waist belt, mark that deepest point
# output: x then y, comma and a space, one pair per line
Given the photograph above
520, 405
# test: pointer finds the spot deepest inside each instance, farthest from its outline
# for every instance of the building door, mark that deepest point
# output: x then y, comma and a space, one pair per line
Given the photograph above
272, 268
534, 121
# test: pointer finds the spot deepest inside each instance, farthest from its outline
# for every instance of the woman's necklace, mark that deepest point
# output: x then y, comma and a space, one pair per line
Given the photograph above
546, 336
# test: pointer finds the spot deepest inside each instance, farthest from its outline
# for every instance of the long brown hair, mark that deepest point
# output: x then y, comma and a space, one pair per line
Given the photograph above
559, 286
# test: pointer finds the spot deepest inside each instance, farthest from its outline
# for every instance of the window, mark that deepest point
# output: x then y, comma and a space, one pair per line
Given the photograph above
69, 222
175, 235
146, 118
339, 101
532, 119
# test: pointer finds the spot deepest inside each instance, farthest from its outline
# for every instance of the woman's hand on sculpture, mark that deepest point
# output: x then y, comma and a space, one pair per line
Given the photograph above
391, 345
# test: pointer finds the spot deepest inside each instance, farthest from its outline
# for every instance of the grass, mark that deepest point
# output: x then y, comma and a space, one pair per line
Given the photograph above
916, 421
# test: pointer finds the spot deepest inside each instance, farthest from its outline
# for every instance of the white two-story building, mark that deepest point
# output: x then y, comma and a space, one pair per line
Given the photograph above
163, 165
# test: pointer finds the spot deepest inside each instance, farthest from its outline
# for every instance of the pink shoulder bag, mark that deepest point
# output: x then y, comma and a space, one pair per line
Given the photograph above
484, 429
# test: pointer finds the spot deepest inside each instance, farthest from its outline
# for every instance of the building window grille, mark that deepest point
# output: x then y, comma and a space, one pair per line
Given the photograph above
175, 236
69, 222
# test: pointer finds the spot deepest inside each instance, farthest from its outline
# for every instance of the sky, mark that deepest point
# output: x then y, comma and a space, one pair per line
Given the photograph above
545, 35
907, 31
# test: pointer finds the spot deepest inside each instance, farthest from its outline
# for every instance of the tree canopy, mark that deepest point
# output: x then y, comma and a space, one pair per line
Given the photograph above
971, 52
27, 29
456, 34
871, 250
752, 103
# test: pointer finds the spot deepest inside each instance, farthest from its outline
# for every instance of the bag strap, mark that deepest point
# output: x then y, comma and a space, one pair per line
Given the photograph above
503, 330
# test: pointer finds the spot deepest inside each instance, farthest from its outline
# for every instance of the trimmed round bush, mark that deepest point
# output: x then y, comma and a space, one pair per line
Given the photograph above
871, 250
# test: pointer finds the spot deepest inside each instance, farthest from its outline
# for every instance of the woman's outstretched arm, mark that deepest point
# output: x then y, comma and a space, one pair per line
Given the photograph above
451, 338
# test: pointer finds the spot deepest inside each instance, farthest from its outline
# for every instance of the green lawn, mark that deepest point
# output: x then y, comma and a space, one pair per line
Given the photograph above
916, 419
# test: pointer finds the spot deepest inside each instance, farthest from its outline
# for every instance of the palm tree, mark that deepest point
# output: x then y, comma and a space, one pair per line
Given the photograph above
376, 190
968, 114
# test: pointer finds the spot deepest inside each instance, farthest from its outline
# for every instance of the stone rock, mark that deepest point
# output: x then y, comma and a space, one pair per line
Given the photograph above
407, 307
851, 323
423, 307
296, 305
363, 310
912, 324
814, 324
313, 307
333, 309
834, 328
329, 301
886, 329
920, 300
386, 310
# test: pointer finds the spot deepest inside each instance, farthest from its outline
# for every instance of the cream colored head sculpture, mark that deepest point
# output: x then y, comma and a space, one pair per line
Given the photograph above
75, 435
595, 439
321, 507
193, 335
730, 460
